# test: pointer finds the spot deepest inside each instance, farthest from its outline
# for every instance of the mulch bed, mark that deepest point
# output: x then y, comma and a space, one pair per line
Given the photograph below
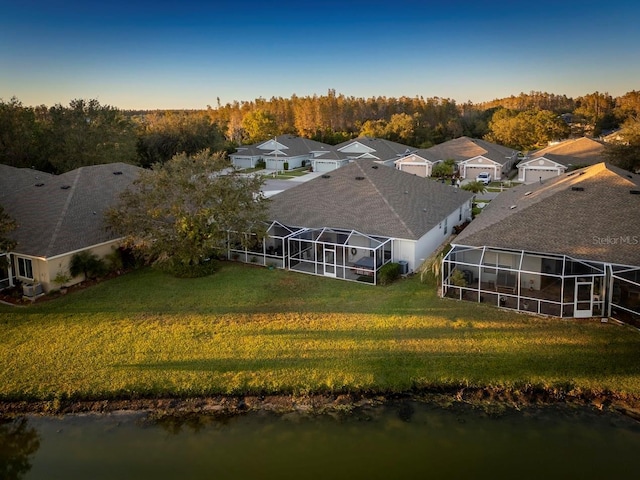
13, 295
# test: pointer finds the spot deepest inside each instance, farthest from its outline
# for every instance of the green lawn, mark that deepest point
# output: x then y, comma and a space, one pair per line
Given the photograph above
248, 329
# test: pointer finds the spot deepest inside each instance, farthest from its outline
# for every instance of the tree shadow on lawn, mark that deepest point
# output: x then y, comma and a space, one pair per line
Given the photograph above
559, 364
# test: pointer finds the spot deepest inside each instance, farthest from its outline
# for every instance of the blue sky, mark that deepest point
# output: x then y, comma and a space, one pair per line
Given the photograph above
167, 54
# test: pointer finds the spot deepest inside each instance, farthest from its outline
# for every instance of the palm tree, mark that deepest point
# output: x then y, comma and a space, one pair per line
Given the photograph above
474, 187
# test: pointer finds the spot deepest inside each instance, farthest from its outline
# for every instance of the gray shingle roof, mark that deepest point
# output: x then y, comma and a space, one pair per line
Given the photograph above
294, 144
600, 222
383, 149
464, 148
370, 198
65, 213
578, 151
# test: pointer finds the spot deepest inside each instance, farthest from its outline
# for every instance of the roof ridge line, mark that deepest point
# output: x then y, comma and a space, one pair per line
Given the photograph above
63, 213
384, 199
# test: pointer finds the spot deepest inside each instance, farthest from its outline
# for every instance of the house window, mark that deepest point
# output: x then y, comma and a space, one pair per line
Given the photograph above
460, 214
446, 221
24, 268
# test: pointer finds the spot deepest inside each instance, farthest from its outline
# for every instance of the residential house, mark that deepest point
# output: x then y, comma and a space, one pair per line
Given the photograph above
560, 157
326, 161
377, 149
473, 156
569, 247
417, 163
349, 222
288, 151
58, 216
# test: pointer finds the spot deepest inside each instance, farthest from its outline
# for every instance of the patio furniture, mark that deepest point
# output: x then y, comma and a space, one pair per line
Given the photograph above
505, 282
364, 266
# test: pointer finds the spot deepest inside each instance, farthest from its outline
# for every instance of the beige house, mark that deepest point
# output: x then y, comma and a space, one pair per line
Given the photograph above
58, 216
558, 158
416, 163
473, 156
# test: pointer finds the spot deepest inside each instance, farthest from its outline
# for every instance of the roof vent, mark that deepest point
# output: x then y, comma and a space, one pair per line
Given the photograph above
512, 207
527, 193
374, 166
630, 176
326, 176
65, 187
359, 178
577, 189
39, 184
634, 192
117, 172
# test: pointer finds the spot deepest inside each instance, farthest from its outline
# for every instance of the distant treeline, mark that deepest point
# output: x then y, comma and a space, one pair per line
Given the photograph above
59, 138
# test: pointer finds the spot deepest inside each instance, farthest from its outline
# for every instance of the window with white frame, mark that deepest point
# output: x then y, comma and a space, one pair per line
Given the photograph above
24, 268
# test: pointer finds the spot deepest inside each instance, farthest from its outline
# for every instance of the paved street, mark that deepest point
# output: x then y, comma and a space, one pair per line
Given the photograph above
273, 186
277, 185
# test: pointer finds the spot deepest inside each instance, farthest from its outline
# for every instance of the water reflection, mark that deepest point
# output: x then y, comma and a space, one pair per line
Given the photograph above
18, 443
401, 439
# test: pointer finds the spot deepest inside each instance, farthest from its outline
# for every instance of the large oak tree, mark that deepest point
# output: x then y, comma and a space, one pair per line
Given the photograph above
178, 213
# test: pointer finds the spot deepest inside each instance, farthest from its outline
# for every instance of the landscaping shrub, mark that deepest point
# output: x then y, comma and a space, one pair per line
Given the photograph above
180, 270
88, 264
389, 273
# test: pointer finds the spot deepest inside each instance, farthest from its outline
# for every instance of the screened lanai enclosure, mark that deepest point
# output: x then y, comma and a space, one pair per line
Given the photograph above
625, 294
330, 252
547, 284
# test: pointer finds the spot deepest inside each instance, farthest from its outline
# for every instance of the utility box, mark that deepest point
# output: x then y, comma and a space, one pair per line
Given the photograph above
32, 290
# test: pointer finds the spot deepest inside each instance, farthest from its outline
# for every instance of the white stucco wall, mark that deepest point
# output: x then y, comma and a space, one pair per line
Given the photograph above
415, 252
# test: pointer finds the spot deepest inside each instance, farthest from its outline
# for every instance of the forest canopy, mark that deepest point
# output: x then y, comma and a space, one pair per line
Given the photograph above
60, 138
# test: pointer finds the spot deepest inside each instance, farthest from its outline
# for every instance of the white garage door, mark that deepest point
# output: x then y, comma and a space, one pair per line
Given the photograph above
534, 174
324, 166
242, 162
419, 170
472, 172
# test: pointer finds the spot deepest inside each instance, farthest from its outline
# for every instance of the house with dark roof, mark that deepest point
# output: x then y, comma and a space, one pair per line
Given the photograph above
329, 160
417, 163
287, 150
350, 222
567, 247
377, 149
58, 216
473, 156
560, 157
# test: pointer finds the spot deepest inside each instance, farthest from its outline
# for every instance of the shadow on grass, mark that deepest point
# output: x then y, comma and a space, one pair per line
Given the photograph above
390, 368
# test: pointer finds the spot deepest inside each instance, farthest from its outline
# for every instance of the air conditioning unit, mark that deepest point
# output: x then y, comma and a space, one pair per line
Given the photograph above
31, 290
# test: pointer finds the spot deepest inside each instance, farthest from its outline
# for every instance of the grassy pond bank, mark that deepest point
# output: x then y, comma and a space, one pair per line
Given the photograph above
247, 337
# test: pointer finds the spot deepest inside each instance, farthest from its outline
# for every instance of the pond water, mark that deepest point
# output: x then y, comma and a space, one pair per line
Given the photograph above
397, 440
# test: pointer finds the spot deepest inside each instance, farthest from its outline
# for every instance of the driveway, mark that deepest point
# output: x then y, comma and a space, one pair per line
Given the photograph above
273, 186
